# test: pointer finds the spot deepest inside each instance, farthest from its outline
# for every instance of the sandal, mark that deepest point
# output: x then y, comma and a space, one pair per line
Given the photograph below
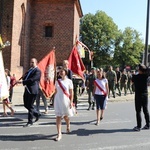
68, 130
12, 114
4, 115
46, 112
97, 123
58, 138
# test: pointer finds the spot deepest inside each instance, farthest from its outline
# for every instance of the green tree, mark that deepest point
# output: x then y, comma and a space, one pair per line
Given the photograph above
99, 33
128, 48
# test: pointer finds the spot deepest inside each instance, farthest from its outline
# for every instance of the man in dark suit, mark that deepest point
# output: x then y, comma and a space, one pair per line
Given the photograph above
31, 82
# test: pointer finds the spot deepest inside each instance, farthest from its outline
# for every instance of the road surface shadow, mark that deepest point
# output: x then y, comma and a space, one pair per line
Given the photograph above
27, 137
86, 132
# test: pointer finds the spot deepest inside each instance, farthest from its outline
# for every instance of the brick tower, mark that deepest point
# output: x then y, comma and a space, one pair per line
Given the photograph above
34, 27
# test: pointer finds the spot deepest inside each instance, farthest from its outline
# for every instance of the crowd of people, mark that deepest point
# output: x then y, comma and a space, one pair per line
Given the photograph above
97, 83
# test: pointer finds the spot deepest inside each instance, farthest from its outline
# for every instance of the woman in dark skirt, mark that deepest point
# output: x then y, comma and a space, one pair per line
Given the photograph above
100, 94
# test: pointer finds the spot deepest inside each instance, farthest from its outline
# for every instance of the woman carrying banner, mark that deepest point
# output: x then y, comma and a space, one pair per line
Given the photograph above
63, 101
100, 94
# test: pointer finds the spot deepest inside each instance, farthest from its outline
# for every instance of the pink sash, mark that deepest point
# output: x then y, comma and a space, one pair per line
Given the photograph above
99, 87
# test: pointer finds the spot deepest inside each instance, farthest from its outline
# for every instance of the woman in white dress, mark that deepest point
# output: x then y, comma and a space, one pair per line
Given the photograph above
63, 101
100, 94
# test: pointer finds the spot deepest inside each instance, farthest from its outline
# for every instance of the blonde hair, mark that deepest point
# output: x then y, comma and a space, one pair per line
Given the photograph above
65, 61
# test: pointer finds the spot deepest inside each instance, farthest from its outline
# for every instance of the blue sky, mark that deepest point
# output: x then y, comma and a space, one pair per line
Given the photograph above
125, 13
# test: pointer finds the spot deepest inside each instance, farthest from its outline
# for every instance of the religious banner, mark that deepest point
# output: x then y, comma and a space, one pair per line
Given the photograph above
4, 92
1, 43
81, 48
76, 63
48, 69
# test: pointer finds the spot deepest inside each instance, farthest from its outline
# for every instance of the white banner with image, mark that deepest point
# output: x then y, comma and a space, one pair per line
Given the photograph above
4, 93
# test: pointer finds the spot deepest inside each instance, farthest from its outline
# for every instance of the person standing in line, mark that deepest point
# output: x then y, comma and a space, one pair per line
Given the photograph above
31, 82
86, 79
75, 90
100, 94
12, 83
129, 83
118, 74
63, 102
6, 102
90, 86
123, 82
132, 84
41, 95
112, 79
141, 97
69, 72
75, 82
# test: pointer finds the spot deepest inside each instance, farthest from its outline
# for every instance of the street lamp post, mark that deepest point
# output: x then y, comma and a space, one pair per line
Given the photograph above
147, 34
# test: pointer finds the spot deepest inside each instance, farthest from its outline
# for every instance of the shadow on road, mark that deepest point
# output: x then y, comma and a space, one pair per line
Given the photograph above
27, 137
85, 132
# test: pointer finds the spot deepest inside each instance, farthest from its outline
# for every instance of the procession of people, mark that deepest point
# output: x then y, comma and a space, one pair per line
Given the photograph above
98, 85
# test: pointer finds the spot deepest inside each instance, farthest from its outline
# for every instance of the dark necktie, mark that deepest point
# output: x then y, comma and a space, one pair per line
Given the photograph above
29, 72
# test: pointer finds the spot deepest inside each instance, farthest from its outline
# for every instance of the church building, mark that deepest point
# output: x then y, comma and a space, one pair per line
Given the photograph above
34, 27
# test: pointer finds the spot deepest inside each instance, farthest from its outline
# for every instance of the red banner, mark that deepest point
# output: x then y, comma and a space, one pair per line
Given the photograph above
48, 68
75, 63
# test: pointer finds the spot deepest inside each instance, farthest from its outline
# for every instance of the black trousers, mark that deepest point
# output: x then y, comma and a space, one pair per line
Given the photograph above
10, 94
141, 102
90, 100
29, 100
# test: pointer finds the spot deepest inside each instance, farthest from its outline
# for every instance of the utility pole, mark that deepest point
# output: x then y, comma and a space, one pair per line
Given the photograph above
147, 34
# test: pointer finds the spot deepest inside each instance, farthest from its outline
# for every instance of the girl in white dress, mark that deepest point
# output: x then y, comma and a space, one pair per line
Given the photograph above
63, 101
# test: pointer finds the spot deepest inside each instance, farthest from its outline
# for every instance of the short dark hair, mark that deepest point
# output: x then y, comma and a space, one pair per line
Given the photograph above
64, 69
142, 68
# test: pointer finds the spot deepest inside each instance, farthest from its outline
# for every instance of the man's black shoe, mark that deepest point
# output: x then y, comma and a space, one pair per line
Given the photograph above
37, 117
136, 129
145, 127
93, 108
88, 108
28, 125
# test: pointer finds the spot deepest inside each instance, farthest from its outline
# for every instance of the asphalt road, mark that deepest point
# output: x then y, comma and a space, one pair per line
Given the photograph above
114, 132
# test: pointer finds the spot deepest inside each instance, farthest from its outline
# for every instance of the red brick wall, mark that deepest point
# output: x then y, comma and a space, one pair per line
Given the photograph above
20, 36
76, 23
27, 31
61, 15
16, 56
6, 18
